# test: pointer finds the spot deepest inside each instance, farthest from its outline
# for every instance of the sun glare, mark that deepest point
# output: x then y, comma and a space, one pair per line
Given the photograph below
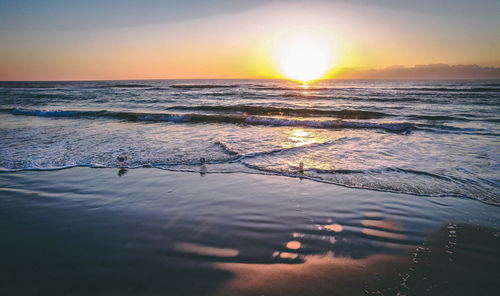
305, 56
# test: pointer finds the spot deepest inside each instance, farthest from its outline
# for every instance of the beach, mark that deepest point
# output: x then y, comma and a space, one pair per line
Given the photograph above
147, 231
249, 148
249, 187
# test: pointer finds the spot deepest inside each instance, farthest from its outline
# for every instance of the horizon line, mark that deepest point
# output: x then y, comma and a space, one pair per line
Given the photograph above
282, 79
433, 71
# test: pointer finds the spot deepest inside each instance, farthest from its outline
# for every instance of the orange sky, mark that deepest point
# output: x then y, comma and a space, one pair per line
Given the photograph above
242, 43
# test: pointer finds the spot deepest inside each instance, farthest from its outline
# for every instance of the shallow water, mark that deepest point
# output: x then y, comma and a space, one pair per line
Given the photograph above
434, 138
88, 231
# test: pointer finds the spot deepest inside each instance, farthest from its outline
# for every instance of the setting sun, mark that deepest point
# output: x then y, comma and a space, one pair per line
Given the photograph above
305, 56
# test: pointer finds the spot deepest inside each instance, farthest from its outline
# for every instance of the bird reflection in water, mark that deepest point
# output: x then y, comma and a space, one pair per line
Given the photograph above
122, 172
121, 163
203, 168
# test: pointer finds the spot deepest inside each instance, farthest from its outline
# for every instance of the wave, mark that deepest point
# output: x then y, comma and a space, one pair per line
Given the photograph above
328, 176
127, 85
105, 86
27, 85
30, 87
489, 84
294, 88
437, 117
446, 89
299, 95
47, 113
66, 84
244, 119
157, 88
290, 88
262, 110
393, 127
313, 174
195, 86
379, 170
189, 86
386, 99
466, 117
207, 118
441, 128
225, 147
287, 150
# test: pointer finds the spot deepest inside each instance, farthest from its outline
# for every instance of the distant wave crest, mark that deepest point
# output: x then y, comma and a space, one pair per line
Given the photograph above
201, 86
446, 89
269, 110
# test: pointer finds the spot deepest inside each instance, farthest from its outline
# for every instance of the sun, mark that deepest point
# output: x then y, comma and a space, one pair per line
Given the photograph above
305, 56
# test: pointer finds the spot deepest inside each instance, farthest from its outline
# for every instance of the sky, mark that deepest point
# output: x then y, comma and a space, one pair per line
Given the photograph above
110, 39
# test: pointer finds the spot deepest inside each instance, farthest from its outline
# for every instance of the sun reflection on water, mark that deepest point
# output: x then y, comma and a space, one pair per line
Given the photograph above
299, 137
382, 228
293, 245
334, 227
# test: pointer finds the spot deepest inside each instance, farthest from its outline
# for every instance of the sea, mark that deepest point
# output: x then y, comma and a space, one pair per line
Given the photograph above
423, 138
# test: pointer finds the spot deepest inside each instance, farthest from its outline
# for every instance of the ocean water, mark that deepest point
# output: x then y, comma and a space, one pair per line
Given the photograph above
431, 138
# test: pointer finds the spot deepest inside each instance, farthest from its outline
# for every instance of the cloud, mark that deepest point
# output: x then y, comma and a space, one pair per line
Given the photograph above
34, 15
431, 71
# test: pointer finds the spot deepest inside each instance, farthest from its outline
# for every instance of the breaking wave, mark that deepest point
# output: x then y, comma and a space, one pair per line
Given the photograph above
215, 118
261, 120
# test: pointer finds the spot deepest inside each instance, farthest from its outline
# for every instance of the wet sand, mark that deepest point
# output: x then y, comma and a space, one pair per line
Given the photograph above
438, 266
87, 231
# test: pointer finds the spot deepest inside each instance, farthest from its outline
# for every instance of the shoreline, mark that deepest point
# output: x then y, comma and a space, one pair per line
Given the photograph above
85, 231
203, 171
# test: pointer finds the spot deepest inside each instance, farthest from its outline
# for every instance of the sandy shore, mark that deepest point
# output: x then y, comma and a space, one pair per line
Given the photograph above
146, 231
